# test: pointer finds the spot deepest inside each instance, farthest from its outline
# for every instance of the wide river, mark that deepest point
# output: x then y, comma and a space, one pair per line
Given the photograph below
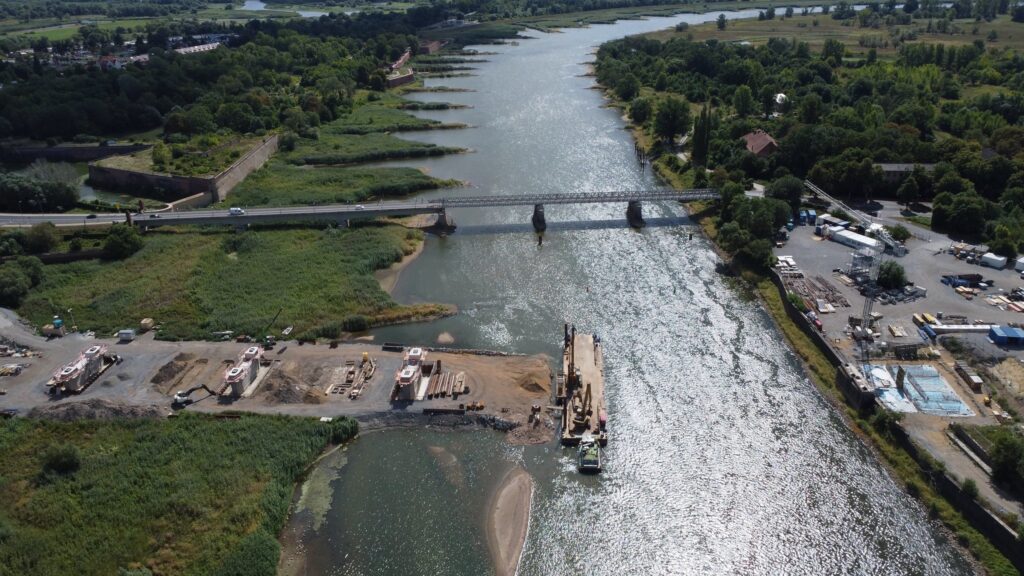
723, 458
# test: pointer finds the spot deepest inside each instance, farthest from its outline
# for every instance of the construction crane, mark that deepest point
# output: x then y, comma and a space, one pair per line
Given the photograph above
869, 302
268, 340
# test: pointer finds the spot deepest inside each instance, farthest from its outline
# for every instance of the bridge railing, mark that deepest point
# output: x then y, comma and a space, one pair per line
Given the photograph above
580, 197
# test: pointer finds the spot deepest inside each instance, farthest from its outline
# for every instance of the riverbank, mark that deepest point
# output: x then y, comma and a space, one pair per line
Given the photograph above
388, 277
509, 521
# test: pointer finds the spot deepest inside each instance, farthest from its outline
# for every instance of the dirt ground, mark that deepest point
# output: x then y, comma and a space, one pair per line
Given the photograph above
1011, 372
296, 382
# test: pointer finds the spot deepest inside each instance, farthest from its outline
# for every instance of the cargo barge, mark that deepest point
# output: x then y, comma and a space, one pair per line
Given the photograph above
580, 389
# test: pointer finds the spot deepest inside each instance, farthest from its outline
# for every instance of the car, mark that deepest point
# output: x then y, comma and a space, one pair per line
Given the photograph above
236, 211
360, 207
154, 215
90, 216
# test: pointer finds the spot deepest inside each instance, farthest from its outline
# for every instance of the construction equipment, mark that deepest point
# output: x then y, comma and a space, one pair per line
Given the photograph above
184, 397
268, 340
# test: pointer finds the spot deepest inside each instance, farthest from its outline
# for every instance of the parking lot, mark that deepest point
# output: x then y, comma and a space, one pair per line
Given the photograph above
925, 264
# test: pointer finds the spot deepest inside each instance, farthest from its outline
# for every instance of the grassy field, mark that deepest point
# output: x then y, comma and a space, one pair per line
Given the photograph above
205, 155
816, 29
186, 495
196, 283
282, 184
336, 147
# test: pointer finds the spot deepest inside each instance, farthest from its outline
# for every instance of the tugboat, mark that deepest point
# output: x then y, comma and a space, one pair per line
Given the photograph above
589, 455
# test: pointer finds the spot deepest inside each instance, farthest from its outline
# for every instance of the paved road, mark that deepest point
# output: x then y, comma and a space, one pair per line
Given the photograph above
343, 212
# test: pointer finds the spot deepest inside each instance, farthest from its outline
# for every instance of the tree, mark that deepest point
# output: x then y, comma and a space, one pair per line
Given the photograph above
810, 108
628, 87
122, 241
908, 192
14, 285
32, 267
899, 232
891, 275
721, 21
768, 100
672, 118
640, 110
743, 101
788, 189
41, 237
701, 137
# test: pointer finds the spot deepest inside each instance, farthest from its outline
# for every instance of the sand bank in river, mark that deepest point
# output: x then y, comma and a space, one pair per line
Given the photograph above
388, 277
509, 521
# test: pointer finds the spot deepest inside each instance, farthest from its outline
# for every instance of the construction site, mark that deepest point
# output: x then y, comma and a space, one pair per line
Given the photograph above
945, 351
373, 383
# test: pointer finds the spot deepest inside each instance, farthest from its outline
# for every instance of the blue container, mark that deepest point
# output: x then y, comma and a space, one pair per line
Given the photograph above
803, 217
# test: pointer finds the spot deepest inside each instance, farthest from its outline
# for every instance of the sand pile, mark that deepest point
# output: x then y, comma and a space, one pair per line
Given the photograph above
96, 409
282, 387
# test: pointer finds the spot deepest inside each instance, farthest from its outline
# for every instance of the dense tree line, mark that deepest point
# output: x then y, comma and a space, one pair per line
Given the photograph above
22, 194
246, 87
25, 10
839, 118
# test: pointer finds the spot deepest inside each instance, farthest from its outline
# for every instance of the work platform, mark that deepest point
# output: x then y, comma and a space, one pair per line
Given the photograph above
581, 389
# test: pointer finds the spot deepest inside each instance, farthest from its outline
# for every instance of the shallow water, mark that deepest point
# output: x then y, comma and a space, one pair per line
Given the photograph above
723, 459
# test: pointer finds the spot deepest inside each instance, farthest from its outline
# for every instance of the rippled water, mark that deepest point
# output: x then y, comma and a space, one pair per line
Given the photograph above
723, 459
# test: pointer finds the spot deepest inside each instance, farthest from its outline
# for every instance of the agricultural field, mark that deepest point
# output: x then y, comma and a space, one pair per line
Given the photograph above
191, 495
815, 29
199, 282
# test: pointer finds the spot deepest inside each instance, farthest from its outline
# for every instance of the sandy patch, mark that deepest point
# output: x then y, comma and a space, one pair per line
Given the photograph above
445, 338
509, 521
388, 277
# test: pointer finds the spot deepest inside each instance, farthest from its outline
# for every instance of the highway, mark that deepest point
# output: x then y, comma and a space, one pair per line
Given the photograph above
344, 212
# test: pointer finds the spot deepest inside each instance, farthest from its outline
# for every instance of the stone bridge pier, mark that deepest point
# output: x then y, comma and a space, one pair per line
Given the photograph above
539, 224
634, 214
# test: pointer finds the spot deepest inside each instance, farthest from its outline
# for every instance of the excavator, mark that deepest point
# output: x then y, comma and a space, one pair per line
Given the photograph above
184, 397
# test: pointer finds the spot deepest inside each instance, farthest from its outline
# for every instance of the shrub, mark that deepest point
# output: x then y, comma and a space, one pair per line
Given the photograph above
899, 232
891, 275
122, 241
32, 267
41, 238
14, 285
62, 460
970, 488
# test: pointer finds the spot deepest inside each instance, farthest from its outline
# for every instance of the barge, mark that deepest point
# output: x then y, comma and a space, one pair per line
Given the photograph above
580, 389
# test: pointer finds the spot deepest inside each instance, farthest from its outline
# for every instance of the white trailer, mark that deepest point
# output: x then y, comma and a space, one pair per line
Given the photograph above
856, 241
1019, 266
993, 261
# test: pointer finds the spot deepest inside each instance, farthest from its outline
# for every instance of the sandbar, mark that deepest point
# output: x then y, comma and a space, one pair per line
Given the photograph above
509, 521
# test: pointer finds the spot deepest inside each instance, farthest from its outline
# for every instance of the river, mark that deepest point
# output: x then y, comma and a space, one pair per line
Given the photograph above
723, 458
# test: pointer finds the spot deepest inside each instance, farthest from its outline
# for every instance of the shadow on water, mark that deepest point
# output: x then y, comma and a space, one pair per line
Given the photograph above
616, 224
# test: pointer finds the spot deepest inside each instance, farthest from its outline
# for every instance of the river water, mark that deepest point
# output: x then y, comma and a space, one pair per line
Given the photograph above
723, 459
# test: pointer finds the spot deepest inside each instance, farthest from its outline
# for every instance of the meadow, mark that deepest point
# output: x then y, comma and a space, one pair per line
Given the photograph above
192, 494
337, 147
198, 282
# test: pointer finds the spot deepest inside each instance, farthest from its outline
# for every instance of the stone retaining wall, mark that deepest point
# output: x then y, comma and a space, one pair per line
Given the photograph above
67, 153
199, 191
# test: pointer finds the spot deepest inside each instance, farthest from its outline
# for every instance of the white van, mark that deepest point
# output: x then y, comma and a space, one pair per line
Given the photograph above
236, 211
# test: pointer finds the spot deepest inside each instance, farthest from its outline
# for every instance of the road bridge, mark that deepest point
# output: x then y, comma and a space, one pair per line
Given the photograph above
344, 213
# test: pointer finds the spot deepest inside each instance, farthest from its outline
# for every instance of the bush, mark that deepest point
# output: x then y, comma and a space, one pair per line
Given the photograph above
122, 241
41, 238
891, 275
32, 268
14, 285
899, 232
970, 488
255, 555
62, 460
75, 245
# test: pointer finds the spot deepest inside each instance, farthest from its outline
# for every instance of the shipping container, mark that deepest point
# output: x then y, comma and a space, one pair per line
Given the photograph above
993, 261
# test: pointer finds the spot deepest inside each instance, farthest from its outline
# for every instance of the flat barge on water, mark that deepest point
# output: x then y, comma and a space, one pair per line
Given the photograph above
580, 389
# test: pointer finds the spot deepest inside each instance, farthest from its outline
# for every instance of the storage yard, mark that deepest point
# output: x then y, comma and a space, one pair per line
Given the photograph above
903, 354
326, 380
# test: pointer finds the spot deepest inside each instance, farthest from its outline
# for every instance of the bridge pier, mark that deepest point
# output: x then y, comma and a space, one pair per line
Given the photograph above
445, 223
539, 224
634, 214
